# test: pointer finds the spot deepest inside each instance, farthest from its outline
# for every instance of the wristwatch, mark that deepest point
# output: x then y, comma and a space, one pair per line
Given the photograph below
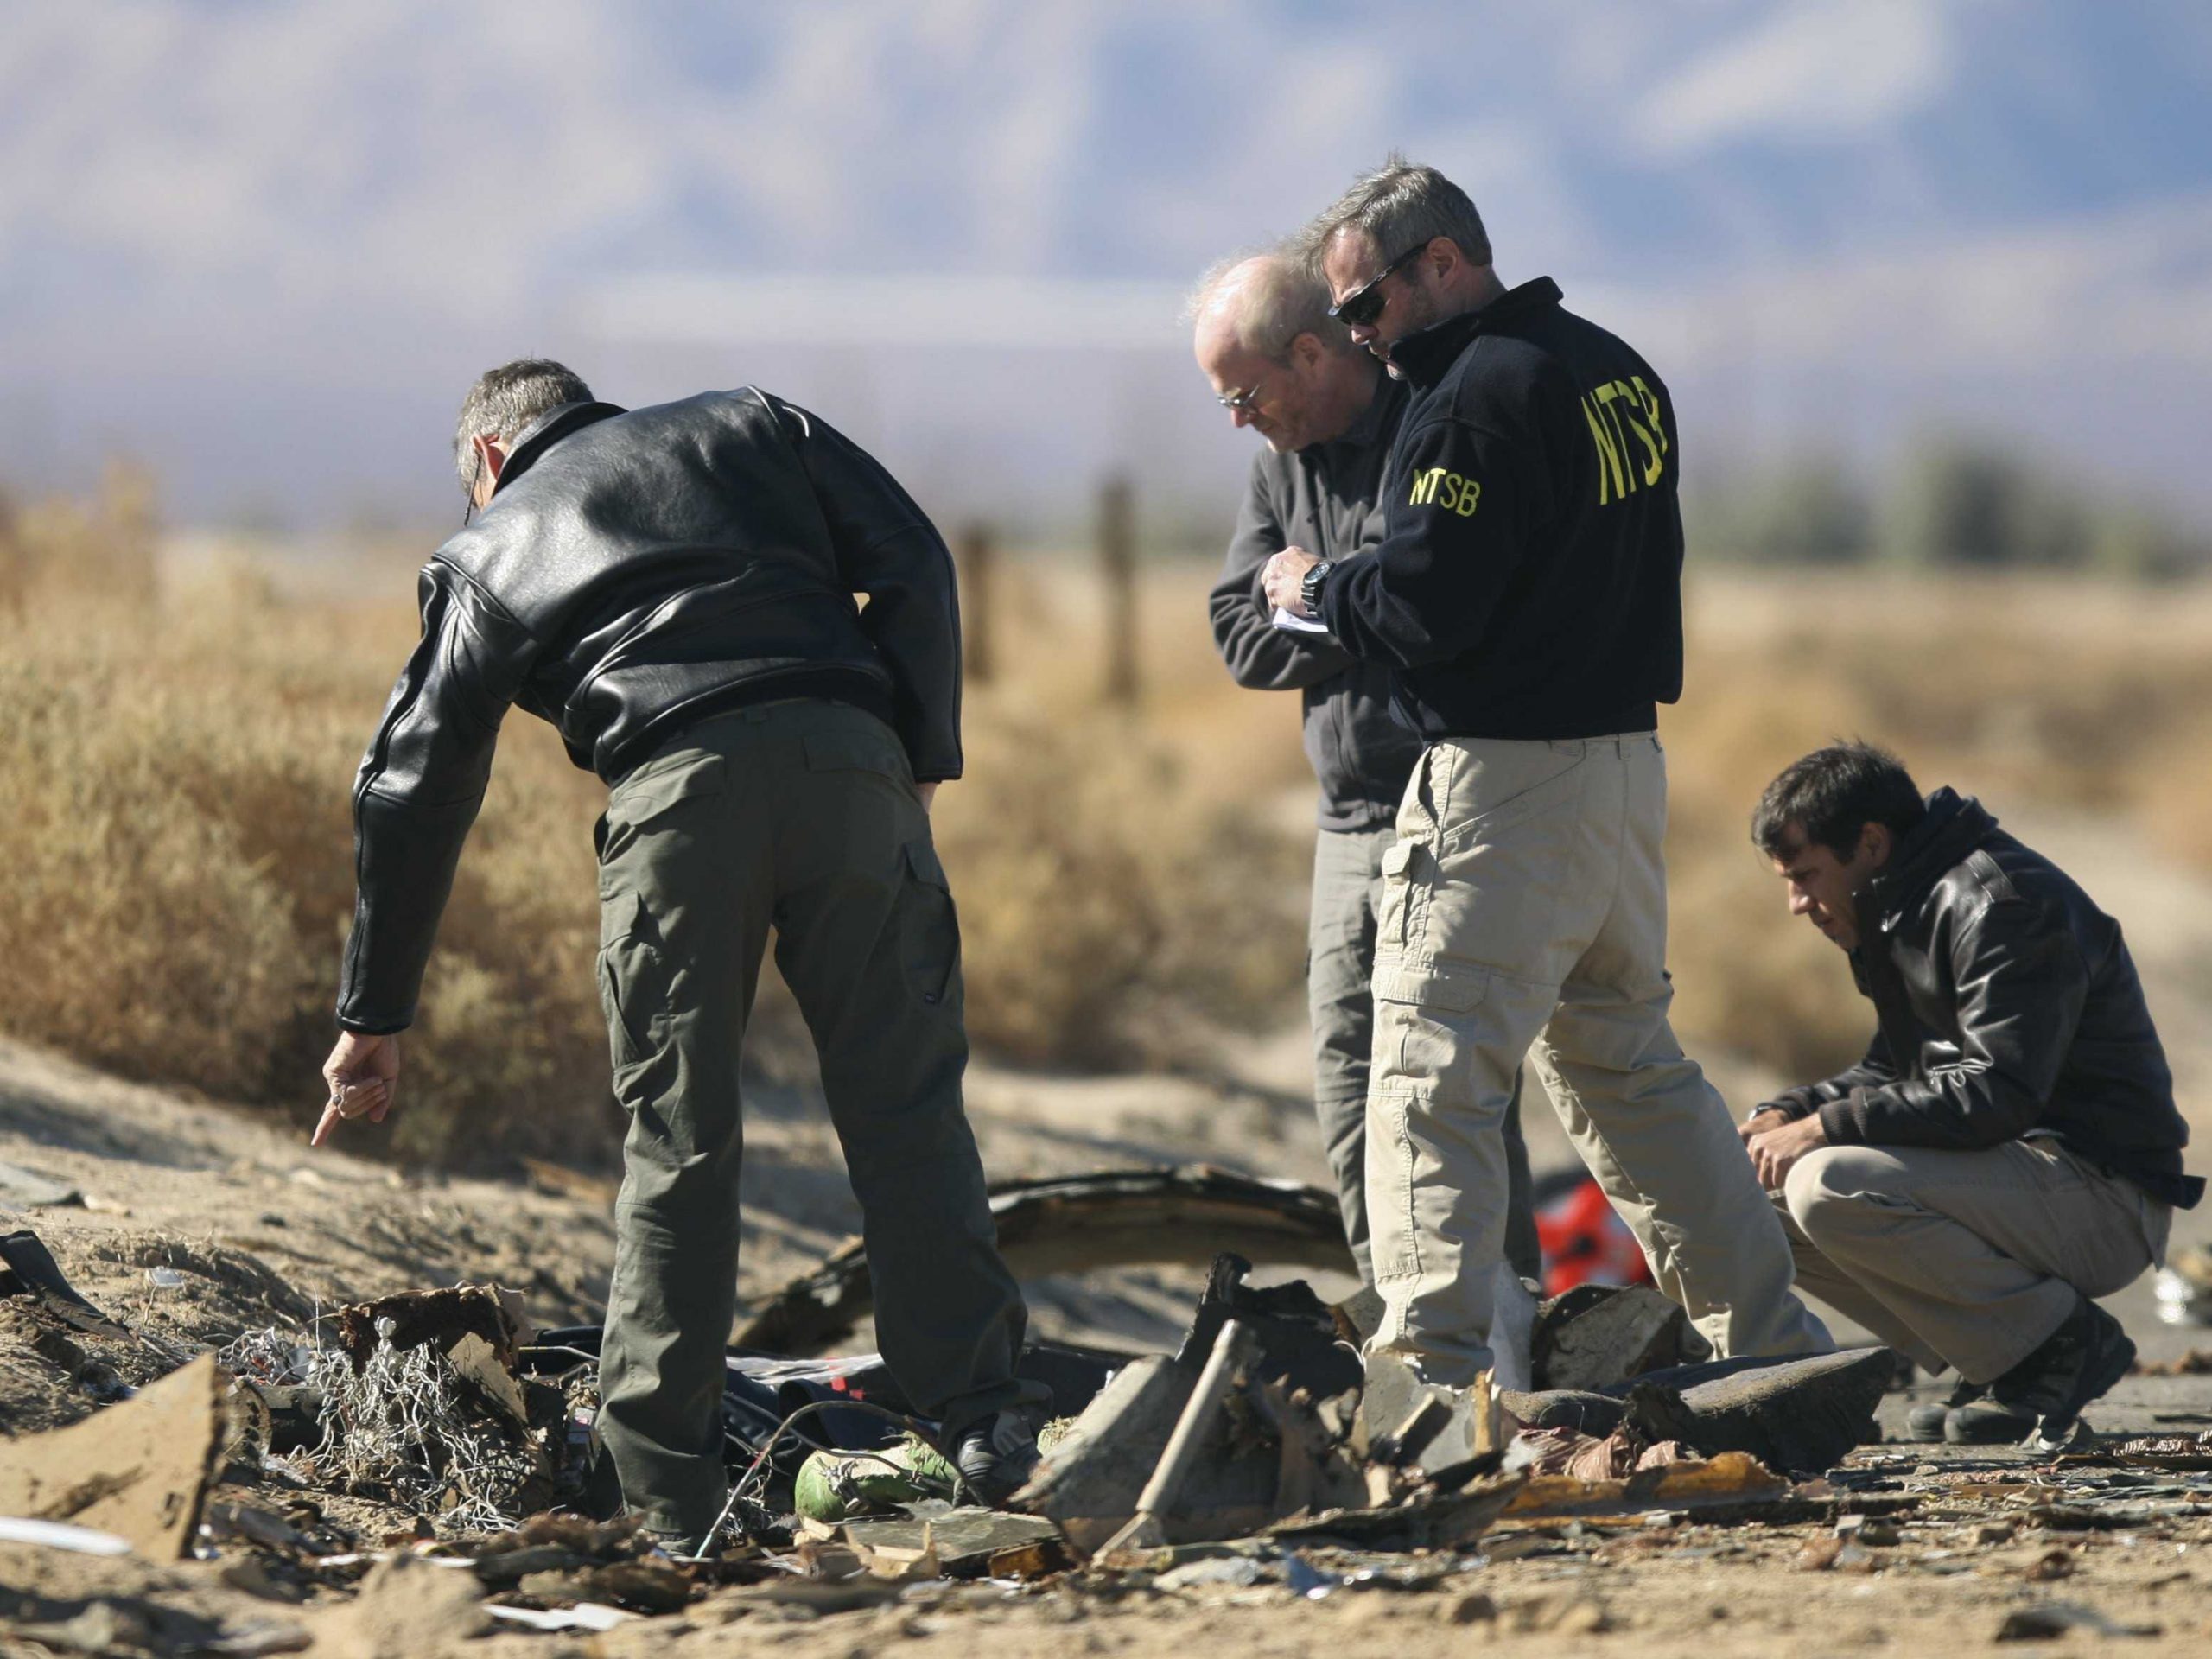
1310, 590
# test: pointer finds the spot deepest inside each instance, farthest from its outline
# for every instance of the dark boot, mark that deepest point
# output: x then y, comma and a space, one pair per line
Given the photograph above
1926, 1422
995, 1456
2076, 1364
1981, 1421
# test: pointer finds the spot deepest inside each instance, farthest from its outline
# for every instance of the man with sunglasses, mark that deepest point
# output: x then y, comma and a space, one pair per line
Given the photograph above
1525, 594
1280, 365
672, 588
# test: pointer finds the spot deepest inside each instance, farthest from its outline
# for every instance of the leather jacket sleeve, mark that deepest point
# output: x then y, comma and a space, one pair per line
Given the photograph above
888, 549
2019, 984
418, 790
1262, 657
1873, 1070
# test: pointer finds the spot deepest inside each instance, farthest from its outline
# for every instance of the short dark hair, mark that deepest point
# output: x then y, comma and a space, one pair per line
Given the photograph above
1831, 795
508, 398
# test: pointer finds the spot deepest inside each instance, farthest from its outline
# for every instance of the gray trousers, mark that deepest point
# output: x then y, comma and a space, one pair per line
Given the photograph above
1340, 998
800, 816
1965, 1259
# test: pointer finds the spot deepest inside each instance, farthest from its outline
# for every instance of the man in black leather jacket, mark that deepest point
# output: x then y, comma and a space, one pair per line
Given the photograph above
2009, 1147
673, 588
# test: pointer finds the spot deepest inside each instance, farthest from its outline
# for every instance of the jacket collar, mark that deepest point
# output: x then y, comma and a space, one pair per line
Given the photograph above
1372, 424
1427, 357
1955, 826
547, 429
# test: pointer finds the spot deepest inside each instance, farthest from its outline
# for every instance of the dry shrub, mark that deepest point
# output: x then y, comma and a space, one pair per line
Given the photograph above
180, 872
175, 772
1107, 900
2074, 695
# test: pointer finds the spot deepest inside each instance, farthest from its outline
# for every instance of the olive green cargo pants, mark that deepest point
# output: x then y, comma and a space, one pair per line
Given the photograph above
801, 816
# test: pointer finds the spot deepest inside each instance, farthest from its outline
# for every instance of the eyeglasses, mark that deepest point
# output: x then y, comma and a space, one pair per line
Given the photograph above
1360, 308
1242, 402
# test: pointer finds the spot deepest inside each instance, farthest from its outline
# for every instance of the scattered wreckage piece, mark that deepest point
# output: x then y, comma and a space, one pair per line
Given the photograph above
1730, 1485
1803, 1415
412, 1318
1405, 1423
1595, 1336
1229, 1472
139, 1469
28, 1269
417, 1399
1235, 1347
2179, 1454
963, 1542
1090, 1485
1448, 1521
1072, 1223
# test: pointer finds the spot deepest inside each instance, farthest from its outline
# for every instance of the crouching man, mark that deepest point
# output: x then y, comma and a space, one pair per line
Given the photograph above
2009, 1147
673, 588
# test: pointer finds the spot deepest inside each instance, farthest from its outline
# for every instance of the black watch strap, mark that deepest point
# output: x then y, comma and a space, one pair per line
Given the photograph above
1310, 589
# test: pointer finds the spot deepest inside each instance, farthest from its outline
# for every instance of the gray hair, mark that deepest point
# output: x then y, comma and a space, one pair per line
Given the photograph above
1285, 299
507, 399
1400, 206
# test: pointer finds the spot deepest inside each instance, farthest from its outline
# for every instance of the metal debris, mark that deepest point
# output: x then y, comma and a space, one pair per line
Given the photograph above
1073, 1224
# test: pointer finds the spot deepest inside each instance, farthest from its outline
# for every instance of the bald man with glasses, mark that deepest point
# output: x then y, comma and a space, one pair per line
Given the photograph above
1279, 364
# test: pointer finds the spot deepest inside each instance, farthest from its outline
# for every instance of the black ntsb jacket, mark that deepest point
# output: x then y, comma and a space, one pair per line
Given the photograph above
636, 572
2007, 1003
1529, 583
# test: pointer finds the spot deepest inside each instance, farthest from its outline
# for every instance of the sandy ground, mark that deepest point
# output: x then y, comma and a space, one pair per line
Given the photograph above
200, 1222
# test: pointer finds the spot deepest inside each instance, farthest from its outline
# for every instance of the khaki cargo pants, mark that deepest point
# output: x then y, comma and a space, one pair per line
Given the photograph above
1525, 912
1966, 1259
800, 816
1340, 1000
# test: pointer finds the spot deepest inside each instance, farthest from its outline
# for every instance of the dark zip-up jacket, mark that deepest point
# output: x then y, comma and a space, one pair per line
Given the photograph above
635, 572
2007, 1002
1323, 498
1529, 583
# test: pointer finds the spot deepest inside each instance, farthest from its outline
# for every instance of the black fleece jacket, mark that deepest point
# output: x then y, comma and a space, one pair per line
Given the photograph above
1529, 583
2005, 1002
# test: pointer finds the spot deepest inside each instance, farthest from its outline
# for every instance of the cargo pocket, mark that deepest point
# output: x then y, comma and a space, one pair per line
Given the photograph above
1426, 1029
633, 994
1409, 874
929, 929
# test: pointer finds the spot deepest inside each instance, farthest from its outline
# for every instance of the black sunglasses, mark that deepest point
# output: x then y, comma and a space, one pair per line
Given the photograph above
1363, 305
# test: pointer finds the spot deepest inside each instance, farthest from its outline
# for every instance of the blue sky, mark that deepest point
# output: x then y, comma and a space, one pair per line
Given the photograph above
266, 246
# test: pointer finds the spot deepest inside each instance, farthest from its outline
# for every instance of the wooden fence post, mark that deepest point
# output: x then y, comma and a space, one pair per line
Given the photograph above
1117, 563
975, 617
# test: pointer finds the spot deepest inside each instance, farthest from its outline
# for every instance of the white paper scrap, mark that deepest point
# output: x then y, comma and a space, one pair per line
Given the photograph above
1297, 624
584, 1616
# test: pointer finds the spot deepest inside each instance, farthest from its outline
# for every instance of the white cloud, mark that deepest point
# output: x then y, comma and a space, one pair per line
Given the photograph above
1824, 70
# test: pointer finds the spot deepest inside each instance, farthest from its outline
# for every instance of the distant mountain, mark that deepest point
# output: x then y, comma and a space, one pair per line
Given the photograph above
267, 245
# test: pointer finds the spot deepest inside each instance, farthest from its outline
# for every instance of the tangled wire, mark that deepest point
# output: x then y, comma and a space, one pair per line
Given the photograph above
405, 1422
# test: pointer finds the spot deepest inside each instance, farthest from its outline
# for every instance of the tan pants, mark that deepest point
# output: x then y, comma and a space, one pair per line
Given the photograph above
1526, 904
1967, 1259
